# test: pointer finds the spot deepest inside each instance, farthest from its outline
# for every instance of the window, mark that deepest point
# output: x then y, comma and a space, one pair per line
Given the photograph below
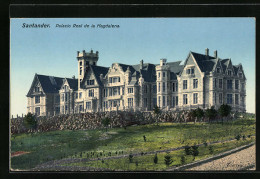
115, 91
145, 102
105, 92
88, 105
236, 98
115, 103
130, 90
188, 71
173, 101
159, 101
80, 71
123, 90
195, 98
242, 86
81, 108
195, 83
110, 80
185, 99
159, 74
90, 82
38, 111
218, 70
220, 98
163, 74
80, 63
192, 71
66, 107
110, 91
184, 84
37, 89
37, 99
215, 98
130, 102
229, 98
176, 86
163, 100
154, 101
66, 97
229, 84
163, 86
62, 97
94, 63
145, 88
80, 95
236, 84
159, 88
220, 83
154, 89
240, 75
91, 93
229, 72
214, 83
76, 95
173, 87
176, 100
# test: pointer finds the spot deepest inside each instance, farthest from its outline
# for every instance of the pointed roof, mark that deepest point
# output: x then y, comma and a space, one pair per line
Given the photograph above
205, 63
98, 70
73, 83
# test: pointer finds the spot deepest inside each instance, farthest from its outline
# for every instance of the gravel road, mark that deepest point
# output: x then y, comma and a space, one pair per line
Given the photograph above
242, 160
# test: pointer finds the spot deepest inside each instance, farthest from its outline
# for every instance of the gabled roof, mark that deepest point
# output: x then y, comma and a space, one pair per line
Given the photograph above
224, 63
49, 84
205, 63
98, 70
73, 83
124, 67
175, 67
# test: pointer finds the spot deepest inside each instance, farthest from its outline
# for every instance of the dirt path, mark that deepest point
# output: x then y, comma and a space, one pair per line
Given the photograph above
242, 160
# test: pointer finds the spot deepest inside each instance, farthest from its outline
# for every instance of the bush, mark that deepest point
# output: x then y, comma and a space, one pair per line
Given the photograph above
183, 159
188, 150
30, 121
238, 137
211, 150
168, 159
130, 157
155, 159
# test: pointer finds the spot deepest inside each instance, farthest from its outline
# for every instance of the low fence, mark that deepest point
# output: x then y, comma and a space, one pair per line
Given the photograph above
93, 120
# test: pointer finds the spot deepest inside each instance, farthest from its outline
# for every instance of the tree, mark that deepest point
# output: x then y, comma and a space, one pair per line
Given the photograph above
193, 114
155, 159
199, 113
105, 122
30, 121
195, 151
168, 159
156, 111
224, 110
211, 113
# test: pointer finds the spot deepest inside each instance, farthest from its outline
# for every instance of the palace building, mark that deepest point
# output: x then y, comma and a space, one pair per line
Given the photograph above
199, 81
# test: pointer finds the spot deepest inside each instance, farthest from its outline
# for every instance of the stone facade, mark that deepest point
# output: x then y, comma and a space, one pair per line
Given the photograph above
199, 81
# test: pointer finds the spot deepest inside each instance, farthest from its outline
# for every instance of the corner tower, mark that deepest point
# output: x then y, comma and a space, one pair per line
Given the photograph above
84, 60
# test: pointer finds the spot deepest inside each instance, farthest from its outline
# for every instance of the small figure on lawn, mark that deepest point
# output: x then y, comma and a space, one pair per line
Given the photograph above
144, 138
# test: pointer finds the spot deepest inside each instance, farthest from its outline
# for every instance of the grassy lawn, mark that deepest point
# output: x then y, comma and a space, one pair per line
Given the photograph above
146, 162
54, 145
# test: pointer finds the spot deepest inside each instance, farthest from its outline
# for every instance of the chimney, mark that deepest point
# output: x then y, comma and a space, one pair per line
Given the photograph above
91, 51
207, 52
216, 54
141, 64
97, 53
77, 53
73, 77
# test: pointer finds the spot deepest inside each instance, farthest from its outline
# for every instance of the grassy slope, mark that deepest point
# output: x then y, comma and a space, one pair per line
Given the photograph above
62, 144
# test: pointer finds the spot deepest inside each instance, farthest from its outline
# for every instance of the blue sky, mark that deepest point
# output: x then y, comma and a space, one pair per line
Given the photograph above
52, 51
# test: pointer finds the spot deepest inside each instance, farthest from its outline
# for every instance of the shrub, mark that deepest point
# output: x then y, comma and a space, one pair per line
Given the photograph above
30, 121
130, 157
211, 150
136, 163
155, 159
238, 137
188, 150
183, 159
168, 159
144, 138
